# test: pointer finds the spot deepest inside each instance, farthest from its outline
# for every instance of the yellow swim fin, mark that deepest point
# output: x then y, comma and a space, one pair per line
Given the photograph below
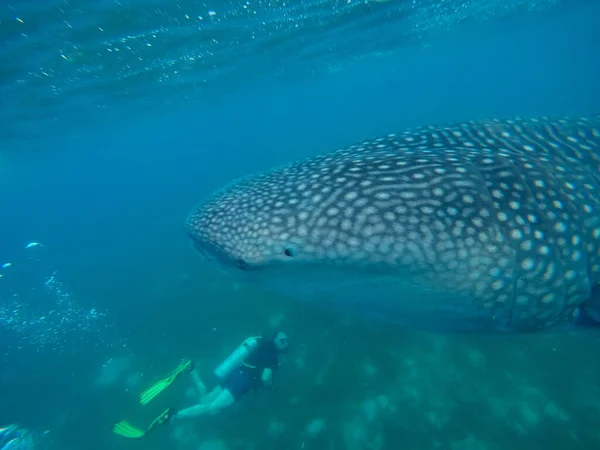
160, 386
127, 430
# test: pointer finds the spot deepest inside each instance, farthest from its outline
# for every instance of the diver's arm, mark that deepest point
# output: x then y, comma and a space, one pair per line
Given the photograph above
267, 377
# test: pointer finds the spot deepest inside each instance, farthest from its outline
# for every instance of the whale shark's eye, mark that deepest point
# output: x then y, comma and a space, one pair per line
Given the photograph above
288, 252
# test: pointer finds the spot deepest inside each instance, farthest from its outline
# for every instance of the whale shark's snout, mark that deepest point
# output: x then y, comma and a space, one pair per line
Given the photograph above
237, 231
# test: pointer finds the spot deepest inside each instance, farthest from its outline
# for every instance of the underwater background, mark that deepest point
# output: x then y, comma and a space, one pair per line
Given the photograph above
116, 117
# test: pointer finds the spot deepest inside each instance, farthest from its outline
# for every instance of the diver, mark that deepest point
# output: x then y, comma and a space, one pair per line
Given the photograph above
248, 368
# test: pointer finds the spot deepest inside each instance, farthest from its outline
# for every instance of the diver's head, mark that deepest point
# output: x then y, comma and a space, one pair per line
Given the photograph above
280, 340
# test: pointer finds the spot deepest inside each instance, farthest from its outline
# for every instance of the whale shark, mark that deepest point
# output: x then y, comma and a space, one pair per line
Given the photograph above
483, 226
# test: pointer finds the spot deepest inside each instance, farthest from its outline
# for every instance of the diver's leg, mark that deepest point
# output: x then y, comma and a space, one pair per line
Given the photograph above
223, 400
200, 387
199, 408
211, 395
192, 411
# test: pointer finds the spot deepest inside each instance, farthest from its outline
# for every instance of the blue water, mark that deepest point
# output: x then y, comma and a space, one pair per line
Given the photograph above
117, 117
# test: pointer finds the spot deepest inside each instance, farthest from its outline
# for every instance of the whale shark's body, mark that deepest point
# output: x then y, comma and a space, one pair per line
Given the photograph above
482, 226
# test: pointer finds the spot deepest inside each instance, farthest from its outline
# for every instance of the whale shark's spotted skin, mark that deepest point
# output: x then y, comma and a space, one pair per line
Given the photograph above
487, 226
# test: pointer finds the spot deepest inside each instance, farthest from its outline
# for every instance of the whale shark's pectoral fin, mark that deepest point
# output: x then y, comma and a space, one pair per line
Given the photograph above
589, 313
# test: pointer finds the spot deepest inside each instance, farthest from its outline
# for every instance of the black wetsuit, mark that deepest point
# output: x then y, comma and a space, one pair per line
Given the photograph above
248, 376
